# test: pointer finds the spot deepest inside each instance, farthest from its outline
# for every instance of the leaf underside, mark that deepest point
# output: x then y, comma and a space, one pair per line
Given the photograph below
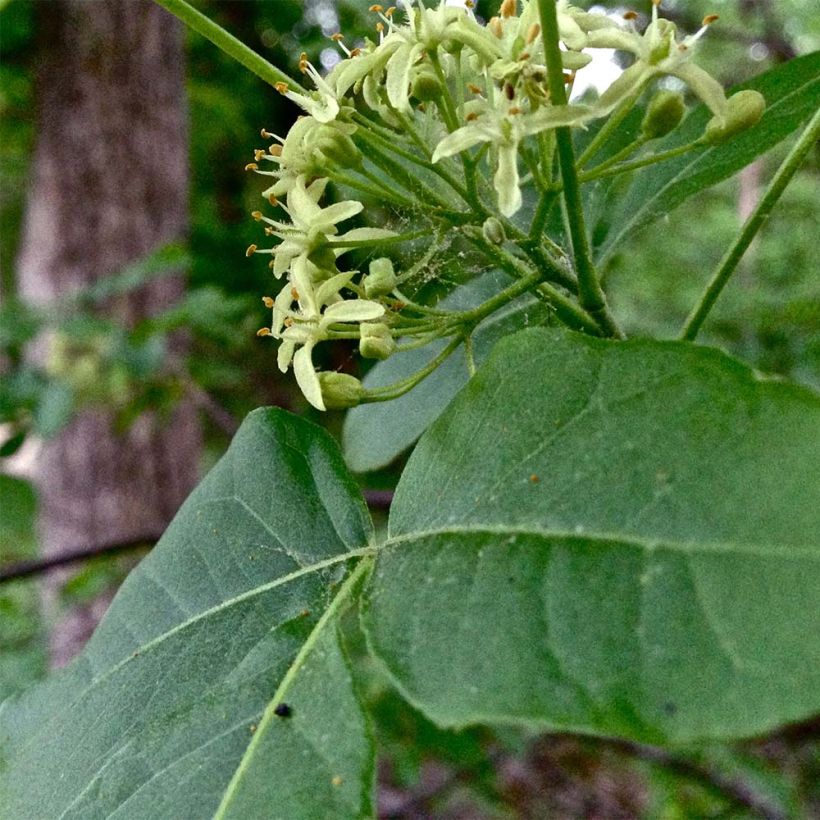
613, 538
168, 713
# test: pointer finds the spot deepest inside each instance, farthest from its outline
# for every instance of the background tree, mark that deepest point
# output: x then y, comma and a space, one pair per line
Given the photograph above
109, 185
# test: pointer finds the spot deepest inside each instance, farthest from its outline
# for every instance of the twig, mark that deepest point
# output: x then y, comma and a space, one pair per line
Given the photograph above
376, 500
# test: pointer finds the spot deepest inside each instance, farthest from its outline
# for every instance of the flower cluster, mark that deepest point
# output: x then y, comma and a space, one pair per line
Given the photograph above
432, 86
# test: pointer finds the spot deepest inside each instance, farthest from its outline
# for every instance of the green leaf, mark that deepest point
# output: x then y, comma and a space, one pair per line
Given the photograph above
375, 434
170, 712
613, 538
792, 93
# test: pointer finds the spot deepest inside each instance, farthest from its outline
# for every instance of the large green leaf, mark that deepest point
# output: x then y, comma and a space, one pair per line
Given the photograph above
170, 712
375, 434
615, 538
792, 93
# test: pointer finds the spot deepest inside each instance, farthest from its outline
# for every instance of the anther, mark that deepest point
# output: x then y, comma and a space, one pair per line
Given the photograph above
507, 8
515, 110
380, 27
469, 4
257, 215
471, 116
288, 322
251, 166
251, 250
266, 135
355, 52
275, 150
267, 301
509, 90
495, 27
282, 88
294, 293
376, 8
525, 55
390, 11
269, 231
532, 32
259, 153
273, 200
630, 15
710, 18
337, 37
263, 331
474, 88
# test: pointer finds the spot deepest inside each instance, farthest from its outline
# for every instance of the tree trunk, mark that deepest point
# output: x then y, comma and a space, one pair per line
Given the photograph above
109, 186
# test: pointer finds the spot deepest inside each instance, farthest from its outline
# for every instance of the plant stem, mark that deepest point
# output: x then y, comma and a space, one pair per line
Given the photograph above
607, 170
228, 43
590, 294
753, 224
399, 388
615, 119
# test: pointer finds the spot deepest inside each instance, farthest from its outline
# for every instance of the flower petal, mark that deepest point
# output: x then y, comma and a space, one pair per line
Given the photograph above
306, 376
353, 310
397, 80
460, 140
505, 180
705, 86
330, 288
284, 356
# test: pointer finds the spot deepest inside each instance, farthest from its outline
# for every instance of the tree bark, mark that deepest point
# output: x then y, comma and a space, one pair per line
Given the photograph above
109, 186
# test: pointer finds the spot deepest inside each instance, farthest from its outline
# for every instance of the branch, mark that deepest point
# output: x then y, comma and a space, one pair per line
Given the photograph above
376, 500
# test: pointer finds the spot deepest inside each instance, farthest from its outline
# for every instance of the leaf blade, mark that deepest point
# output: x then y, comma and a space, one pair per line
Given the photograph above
583, 508
158, 711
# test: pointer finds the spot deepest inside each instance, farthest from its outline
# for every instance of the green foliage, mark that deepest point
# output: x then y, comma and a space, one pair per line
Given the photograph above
172, 708
606, 538
605, 571
610, 577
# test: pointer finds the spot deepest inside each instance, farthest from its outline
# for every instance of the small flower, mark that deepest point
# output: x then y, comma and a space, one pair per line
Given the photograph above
658, 52
322, 105
505, 127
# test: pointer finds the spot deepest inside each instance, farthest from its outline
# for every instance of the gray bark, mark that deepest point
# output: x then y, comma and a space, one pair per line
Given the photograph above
109, 185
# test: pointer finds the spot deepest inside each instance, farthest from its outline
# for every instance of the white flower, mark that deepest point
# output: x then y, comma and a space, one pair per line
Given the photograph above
323, 105
658, 52
504, 126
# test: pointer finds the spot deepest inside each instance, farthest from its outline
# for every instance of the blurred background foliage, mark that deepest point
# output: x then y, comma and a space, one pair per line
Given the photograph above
768, 316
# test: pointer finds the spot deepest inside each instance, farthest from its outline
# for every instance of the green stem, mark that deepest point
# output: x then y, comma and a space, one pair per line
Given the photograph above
399, 388
615, 119
633, 146
565, 309
228, 43
753, 224
590, 293
386, 240
609, 171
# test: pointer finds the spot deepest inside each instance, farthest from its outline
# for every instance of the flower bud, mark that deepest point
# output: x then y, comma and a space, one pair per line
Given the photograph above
744, 109
337, 147
493, 231
381, 280
426, 85
663, 114
339, 390
376, 341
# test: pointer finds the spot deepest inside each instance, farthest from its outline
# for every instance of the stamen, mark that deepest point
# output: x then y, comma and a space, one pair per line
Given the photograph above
495, 27
709, 19
251, 250
337, 37
294, 293
532, 32
282, 88
258, 153
515, 110
630, 16
267, 301
257, 215
474, 88
376, 8
390, 12
251, 166
275, 150
471, 116
507, 8
263, 331
273, 200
